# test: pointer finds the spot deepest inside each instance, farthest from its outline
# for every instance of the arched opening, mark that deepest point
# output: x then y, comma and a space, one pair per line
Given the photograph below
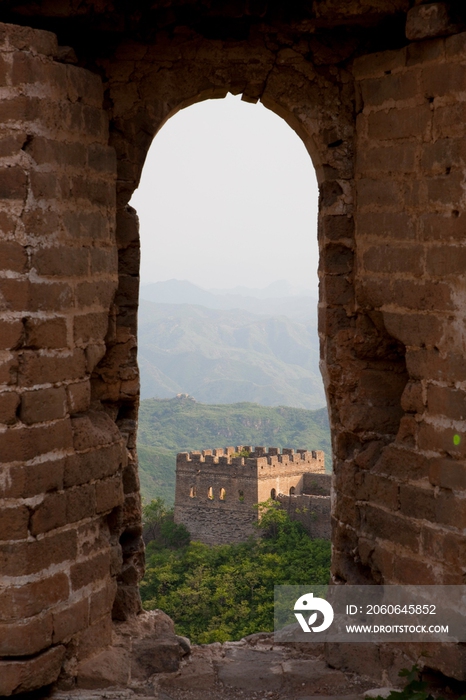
273, 494
292, 491
210, 493
222, 494
192, 492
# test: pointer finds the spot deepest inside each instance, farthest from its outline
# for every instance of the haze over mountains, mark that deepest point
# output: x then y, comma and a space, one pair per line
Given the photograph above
224, 347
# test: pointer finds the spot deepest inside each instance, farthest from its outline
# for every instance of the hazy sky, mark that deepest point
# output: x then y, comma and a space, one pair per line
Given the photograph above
228, 197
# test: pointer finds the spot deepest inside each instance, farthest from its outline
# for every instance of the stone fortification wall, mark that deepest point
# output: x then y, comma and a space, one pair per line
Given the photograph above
61, 456
312, 511
216, 491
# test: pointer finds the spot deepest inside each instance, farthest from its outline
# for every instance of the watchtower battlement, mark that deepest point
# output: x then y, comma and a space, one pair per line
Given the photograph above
217, 489
259, 458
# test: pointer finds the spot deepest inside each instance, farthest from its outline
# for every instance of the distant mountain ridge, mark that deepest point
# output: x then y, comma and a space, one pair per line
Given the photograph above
287, 300
228, 355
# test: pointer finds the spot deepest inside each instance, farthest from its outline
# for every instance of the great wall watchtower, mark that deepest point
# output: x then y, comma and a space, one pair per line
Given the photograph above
216, 490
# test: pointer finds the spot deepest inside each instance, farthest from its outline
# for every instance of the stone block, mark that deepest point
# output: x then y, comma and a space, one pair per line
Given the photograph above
78, 396
90, 327
14, 523
426, 21
448, 474
20, 602
109, 668
80, 503
94, 429
417, 502
50, 333
49, 515
20, 676
414, 329
96, 464
410, 122
109, 494
34, 556
43, 405
27, 637
390, 88
9, 402
389, 526
70, 620
95, 568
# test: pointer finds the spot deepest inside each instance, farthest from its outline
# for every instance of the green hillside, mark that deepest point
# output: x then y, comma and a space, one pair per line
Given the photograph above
168, 426
223, 356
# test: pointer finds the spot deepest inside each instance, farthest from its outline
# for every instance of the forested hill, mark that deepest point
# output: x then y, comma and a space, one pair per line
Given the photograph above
168, 426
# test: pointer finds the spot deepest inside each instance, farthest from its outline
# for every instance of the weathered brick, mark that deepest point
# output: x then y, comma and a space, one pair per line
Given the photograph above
423, 296
411, 399
44, 185
21, 294
40, 222
13, 256
393, 225
442, 154
448, 474
96, 464
91, 570
101, 602
443, 78
9, 402
94, 429
392, 87
446, 401
70, 620
417, 502
11, 334
447, 189
337, 227
36, 368
20, 602
389, 526
104, 260
403, 464
27, 443
376, 64
390, 258
414, 329
13, 183
49, 515
448, 121
79, 396
378, 489
45, 333
428, 362
393, 158
95, 637
336, 259
80, 503
445, 260
380, 193
336, 290
27, 558
14, 523
450, 510
422, 52
91, 326
109, 494
18, 676
32, 480
95, 293
43, 405
29, 637
407, 571
54, 261
400, 123
435, 438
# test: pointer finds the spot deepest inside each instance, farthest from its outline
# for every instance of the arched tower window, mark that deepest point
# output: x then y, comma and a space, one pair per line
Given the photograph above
292, 490
210, 493
222, 494
192, 492
273, 494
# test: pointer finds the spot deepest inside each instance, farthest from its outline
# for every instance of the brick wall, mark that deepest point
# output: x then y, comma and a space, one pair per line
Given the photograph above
61, 455
216, 492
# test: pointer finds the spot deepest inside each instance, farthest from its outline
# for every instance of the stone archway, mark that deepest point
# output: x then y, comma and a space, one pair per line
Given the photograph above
385, 131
